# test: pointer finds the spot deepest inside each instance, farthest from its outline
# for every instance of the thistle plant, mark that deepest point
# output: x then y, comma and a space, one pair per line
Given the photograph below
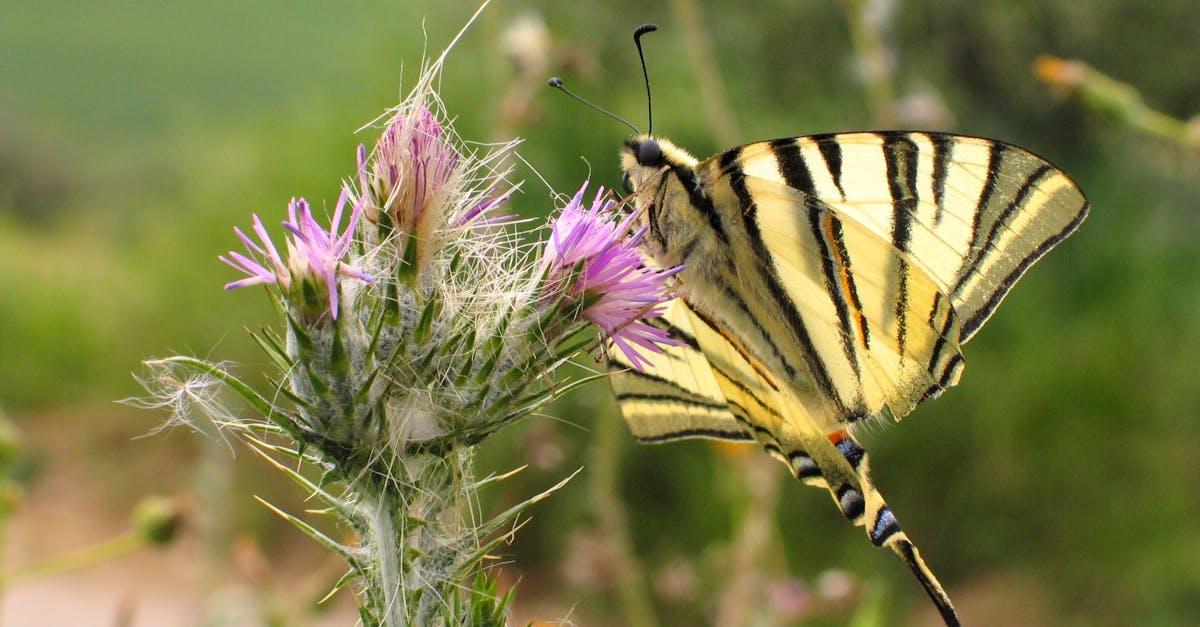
412, 327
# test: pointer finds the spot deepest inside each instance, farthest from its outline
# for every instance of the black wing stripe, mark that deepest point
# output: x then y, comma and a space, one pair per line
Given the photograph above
653, 378
981, 315
737, 180
1018, 200
942, 145
674, 332
742, 415
740, 303
769, 410
900, 155
833, 288
702, 203
792, 166
940, 344
952, 366
933, 309
741, 351
839, 243
831, 152
720, 434
669, 398
995, 156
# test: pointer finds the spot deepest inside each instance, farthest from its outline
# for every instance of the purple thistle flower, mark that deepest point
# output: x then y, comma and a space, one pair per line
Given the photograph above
314, 253
259, 274
469, 218
412, 165
620, 291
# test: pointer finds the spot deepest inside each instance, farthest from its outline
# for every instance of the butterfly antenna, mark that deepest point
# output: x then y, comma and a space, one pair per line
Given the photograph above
557, 83
637, 41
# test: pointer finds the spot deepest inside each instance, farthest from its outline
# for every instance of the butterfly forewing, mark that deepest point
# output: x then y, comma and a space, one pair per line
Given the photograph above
973, 213
875, 320
944, 226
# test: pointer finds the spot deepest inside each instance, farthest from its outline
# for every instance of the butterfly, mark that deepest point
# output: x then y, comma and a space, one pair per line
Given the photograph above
829, 281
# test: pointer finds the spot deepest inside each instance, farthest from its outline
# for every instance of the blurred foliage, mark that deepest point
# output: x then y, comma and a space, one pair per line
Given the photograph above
134, 135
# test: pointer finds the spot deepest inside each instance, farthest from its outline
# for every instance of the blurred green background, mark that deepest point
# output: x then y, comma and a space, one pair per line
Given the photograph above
1058, 484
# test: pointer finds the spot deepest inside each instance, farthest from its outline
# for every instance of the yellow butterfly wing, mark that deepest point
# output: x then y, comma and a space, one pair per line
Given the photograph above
831, 278
681, 395
895, 247
974, 213
677, 395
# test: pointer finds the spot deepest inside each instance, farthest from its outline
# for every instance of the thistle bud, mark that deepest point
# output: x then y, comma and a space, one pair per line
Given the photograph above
158, 519
408, 183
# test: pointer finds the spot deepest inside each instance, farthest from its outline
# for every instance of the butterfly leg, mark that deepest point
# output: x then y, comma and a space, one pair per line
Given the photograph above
839, 464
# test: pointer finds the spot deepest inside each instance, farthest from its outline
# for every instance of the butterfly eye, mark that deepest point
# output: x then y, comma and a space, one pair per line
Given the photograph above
649, 153
627, 183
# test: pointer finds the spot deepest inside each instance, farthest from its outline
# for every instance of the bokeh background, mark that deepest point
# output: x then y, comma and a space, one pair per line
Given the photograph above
1058, 484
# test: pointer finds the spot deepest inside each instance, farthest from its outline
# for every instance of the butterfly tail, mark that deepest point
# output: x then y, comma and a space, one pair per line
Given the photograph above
912, 558
839, 464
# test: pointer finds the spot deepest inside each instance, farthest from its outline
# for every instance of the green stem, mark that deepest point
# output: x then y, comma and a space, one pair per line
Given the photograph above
741, 598
1161, 124
610, 513
3, 558
86, 557
873, 62
1121, 101
214, 485
708, 73
391, 581
872, 606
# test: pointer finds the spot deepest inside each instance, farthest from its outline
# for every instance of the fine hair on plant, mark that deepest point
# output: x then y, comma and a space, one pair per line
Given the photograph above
413, 323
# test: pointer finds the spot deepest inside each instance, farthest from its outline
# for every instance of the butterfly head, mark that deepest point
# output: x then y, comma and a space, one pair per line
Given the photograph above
657, 175
646, 159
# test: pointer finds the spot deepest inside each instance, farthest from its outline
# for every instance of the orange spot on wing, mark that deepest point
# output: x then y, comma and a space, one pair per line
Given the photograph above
844, 278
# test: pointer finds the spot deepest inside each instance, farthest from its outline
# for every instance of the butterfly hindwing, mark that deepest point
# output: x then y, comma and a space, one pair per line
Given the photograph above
677, 396
671, 405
